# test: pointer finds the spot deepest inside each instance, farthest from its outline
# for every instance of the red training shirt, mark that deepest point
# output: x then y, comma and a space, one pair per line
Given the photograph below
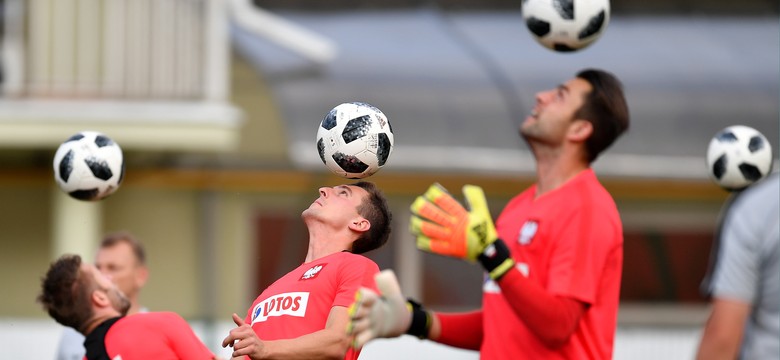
154, 335
299, 303
569, 241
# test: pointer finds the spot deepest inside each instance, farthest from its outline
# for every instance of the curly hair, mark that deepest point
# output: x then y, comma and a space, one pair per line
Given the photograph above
65, 292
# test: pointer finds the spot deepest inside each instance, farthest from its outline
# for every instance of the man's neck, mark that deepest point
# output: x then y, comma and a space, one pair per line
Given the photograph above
553, 172
318, 252
324, 242
96, 321
135, 307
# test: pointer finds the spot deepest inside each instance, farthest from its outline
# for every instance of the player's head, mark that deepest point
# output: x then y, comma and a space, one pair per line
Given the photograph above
374, 208
358, 208
122, 258
72, 292
605, 108
589, 111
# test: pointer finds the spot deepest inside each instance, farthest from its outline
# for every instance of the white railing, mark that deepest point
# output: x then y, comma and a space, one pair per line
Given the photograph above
120, 49
119, 65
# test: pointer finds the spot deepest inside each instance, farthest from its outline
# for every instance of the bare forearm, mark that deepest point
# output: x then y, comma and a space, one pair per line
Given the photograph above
323, 344
722, 336
716, 348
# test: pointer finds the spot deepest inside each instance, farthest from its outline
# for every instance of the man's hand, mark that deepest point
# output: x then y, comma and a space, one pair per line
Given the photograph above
380, 315
243, 340
443, 226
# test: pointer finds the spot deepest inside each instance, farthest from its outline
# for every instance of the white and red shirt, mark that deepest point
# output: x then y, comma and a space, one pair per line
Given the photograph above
299, 303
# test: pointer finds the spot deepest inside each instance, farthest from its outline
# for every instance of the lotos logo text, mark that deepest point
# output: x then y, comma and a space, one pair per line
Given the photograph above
291, 304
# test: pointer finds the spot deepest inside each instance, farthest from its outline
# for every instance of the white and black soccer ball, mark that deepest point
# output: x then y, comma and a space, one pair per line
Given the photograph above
89, 166
738, 156
355, 140
566, 25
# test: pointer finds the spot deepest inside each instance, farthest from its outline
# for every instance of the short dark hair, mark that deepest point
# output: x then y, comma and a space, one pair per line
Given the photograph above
605, 108
65, 292
374, 208
115, 238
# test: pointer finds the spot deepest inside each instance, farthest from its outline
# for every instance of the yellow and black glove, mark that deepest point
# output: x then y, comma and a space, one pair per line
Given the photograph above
443, 226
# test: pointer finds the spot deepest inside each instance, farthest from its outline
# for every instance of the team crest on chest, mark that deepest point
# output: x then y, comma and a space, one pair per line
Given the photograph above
312, 272
527, 232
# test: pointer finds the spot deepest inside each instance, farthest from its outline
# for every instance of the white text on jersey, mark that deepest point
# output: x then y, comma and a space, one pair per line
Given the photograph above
291, 304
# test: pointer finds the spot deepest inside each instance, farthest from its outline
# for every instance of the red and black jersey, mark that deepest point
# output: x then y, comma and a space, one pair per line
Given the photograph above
153, 335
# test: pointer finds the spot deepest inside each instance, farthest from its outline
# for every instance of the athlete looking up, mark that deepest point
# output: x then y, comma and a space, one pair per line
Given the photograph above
303, 314
554, 256
77, 295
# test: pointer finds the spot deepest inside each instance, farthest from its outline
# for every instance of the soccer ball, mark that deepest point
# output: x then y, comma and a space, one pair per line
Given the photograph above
738, 156
89, 166
354, 140
566, 25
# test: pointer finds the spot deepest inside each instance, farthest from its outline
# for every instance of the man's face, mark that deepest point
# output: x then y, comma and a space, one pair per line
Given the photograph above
118, 300
337, 205
120, 265
554, 112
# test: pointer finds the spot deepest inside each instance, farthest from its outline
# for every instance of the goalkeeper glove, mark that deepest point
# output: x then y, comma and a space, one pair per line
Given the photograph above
443, 226
380, 315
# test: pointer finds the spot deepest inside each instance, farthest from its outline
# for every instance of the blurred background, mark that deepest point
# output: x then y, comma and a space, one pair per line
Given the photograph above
216, 105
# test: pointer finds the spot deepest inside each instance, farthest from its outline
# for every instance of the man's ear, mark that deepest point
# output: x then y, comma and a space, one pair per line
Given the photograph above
100, 298
580, 130
360, 224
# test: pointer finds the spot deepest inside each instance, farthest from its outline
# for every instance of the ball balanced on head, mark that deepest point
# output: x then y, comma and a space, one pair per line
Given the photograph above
355, 140
89, 166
